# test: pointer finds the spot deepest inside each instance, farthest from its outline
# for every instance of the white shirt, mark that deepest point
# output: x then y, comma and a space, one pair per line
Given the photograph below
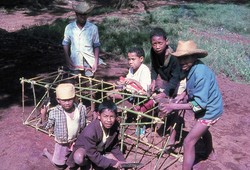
73, 124
82, 42
105, 136
142, 75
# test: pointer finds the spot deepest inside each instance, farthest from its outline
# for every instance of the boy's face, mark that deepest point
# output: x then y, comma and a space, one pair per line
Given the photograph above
81, 18
187, 62
67, 104
134, 61
107, 118
159, 44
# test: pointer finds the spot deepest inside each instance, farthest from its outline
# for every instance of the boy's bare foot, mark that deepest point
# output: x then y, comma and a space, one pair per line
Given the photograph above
170, 149
212, 156
45, 152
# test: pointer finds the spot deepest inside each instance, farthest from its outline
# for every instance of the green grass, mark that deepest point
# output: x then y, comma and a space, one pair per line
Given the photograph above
216, 28
212, 26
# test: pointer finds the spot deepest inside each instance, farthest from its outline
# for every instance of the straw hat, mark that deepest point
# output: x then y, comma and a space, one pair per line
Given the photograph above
65, 91
189, 47
83, 8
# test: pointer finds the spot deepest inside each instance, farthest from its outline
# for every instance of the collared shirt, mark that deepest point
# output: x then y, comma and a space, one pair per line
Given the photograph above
105, 135
203, 92
168, 69
57, 119
91, 140
142, 75
82, 43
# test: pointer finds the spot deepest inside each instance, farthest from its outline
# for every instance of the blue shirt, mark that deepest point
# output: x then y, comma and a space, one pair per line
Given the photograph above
202, 88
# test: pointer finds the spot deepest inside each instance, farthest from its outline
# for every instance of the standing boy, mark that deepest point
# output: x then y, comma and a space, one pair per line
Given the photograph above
98, 143
67, 120
204, 99
163, 64
81, 42
166, 66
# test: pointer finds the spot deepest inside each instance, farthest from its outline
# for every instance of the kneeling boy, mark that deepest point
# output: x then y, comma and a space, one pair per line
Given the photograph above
67, 119
98, 143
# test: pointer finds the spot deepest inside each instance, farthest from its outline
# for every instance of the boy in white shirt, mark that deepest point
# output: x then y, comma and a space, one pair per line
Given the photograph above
138, 78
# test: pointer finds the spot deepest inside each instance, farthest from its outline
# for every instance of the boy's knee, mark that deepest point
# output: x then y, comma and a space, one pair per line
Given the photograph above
185, 143
61, 167
188, 142
79, 156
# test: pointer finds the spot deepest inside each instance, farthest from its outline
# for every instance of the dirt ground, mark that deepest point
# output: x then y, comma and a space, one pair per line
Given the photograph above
21, 146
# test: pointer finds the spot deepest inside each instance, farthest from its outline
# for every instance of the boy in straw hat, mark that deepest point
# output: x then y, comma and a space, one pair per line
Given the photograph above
204, 99
67, 120
81, 42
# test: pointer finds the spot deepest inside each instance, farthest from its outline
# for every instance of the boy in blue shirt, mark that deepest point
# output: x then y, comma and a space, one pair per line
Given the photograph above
204, 98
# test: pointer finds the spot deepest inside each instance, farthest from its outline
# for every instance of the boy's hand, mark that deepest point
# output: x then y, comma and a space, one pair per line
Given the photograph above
118, 165
125, 80
44, 110
158, 97
128, 81
94, 68
152, 86
122, 80
180, 98
69, 63
166, 108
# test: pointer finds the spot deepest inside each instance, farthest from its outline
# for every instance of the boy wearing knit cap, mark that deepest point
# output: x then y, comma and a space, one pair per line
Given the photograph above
67, 119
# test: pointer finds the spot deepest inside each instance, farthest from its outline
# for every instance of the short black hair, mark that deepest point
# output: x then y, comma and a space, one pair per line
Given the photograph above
158, 32
138, 50
107, 104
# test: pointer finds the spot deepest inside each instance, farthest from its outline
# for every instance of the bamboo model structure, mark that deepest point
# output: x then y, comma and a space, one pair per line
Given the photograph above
37, 89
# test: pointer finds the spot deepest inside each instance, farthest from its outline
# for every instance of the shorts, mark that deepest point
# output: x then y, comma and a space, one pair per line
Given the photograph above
87, 73
61, 153
208, 122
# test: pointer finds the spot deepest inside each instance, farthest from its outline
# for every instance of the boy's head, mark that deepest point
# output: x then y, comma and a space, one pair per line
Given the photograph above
65, 94
187, 53
82, 11
158, 39
135, 57
107, 113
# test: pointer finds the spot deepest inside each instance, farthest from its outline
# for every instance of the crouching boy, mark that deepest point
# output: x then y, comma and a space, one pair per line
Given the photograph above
98, 142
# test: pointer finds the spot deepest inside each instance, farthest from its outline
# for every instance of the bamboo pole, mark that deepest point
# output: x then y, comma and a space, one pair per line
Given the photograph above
22, 82
98, 86
124, 118
145, 143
